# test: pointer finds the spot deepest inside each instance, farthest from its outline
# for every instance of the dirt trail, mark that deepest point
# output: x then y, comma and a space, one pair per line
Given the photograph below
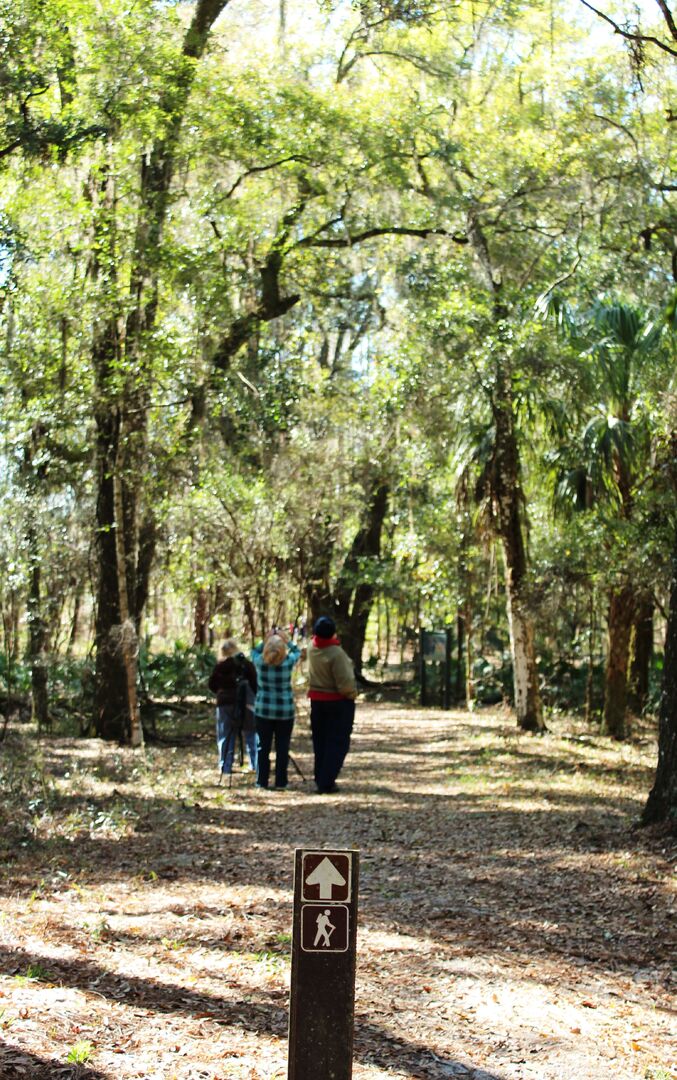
512, 925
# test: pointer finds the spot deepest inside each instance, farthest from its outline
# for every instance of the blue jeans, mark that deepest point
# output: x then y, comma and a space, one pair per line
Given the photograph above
228, 740
331, 723
267, 730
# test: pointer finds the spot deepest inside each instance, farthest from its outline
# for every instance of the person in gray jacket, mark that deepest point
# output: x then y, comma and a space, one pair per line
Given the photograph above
332, 696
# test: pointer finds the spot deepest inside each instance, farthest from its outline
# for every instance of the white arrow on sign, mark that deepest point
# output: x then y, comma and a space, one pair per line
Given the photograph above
326, 876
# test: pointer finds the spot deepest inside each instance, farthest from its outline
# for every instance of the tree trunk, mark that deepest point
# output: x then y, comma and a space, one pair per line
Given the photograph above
110, 699
508, 502
201, 618
589, 682
527, 697
122, 416
641, 652
355, 633
621, 614
147, 541
662, 802
75, 619
353, 595
459, 690
387, 630
37, 636
129, 641
469, 656
316, 585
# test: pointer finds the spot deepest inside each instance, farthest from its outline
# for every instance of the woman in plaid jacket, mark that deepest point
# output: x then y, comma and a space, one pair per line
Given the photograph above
274, 706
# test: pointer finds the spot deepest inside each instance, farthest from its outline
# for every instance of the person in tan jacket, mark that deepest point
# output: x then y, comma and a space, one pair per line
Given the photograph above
332, 696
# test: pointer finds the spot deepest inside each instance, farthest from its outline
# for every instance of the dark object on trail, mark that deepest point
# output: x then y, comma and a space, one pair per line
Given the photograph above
243, 715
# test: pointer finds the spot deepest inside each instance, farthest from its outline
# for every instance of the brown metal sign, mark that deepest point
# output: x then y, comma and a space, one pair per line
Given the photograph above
322, 1003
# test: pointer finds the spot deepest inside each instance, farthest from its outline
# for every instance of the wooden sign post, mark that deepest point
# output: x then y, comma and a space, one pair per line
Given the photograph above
322, 1002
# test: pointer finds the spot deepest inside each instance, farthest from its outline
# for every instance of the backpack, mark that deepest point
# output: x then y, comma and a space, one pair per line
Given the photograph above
243, 712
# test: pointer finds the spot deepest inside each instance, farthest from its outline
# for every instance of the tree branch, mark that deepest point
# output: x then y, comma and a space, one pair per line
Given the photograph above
629, 35
254, 170
7, 150
540, 302
245, 326
416, 61
315, 240
669, 18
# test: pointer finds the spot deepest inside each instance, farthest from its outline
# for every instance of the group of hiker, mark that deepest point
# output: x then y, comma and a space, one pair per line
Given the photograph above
255, 700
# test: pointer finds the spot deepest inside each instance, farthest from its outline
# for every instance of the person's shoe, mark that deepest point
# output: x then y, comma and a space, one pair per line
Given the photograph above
280, 787
331, 790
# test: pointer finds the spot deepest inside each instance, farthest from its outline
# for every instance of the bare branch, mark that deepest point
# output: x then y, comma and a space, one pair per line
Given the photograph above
564, 278
620, 127
255, 170
416, 61
630, 35
250, 385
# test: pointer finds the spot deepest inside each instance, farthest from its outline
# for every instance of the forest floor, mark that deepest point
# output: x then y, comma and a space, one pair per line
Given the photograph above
514, 923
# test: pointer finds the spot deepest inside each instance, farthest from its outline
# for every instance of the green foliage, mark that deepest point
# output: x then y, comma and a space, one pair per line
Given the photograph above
80, 1053
34, 973
409, 217
178, 674
15, 675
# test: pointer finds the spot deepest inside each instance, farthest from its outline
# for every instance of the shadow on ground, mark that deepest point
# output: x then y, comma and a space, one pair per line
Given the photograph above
266, 1015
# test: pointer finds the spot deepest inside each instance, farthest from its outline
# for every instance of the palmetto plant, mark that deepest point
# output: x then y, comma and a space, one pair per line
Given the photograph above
604, 465
610, 453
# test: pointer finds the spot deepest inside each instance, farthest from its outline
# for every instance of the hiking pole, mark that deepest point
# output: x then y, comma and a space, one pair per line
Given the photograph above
297, 767
226, 750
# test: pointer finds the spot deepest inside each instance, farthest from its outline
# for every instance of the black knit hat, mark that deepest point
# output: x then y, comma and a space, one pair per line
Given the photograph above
324, 627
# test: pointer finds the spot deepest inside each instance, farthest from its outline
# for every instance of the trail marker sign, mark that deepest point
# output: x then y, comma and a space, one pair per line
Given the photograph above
326, 875
322, 1002
325, 929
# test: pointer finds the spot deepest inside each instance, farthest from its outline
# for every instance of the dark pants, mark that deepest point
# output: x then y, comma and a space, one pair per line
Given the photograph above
331, 723
281, 731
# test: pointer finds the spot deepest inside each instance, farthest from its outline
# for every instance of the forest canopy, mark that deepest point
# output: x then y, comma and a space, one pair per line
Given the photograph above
354, 308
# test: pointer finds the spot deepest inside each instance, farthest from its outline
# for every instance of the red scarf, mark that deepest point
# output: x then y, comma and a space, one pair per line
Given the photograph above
324, 695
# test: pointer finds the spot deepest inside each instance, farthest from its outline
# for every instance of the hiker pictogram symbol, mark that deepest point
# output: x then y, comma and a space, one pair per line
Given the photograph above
324, 928
326, 876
